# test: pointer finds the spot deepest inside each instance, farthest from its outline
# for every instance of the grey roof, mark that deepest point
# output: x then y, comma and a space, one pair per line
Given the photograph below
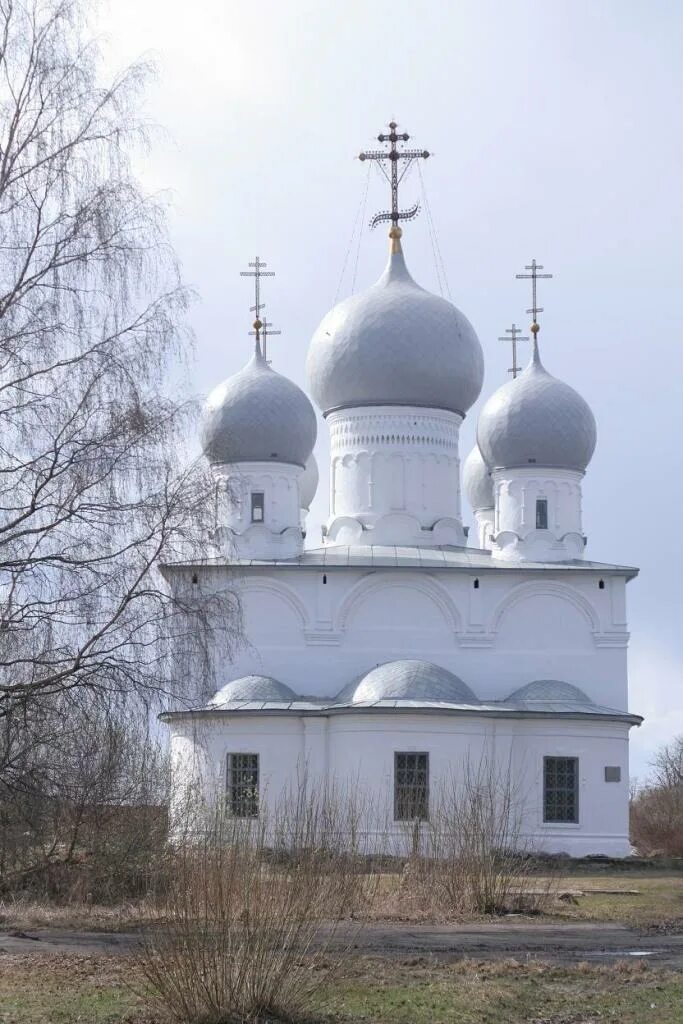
407, 680
250, 689
552, 696
258, 416
308, 482
407, 687
395, 344
477, 482
394, 556
536, 419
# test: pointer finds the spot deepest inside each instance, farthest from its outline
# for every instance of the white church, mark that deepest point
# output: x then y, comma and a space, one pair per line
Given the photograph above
407, 646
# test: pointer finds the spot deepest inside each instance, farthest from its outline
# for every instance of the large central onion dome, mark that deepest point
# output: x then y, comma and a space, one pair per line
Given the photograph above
258, 416
536, 419
395, 344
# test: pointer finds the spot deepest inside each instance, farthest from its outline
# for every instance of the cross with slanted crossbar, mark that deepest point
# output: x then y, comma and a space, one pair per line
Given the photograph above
394, 155
534, 276
257, 273
515, 333
265, 333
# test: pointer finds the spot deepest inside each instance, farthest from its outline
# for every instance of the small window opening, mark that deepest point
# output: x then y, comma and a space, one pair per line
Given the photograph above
324, 577
601, 584
612, 773
411, 787
542, 514
242, 784
258, 504
195, 579
561, 789
476, 584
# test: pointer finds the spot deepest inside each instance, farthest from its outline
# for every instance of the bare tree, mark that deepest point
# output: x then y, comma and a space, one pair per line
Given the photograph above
93, 496
657, 808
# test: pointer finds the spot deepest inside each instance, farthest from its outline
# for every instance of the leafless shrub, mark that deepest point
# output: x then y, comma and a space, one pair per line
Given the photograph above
657, 808
247, 933
477, 858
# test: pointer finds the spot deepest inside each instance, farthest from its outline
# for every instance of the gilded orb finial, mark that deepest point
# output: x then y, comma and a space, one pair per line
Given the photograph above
535, 328
395, 234
257, 324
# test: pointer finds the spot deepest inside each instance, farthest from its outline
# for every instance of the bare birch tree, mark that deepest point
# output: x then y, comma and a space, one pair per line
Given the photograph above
93, 493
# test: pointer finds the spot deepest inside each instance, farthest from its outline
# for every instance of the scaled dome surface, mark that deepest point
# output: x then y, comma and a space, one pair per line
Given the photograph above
308, 482
395, 344
536, 419
545, 690
477, 481
252, 688
258, 416
408, 680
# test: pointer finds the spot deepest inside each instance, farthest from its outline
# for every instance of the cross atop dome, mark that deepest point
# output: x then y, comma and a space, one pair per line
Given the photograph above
394, 156
534, 276
257, 273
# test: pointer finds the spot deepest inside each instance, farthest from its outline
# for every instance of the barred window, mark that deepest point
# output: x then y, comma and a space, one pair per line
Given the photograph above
242, 785
411, 787
561, 789
542, 514
258, 504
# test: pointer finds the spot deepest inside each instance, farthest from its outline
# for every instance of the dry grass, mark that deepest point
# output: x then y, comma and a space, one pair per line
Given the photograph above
97, 990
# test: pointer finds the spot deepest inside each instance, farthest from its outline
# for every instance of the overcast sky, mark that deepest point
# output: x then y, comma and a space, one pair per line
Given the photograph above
556, 132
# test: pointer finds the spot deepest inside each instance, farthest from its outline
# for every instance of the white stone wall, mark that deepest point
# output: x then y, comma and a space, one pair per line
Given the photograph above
516, 492
354, 755
280, 534
316, 629
394, 476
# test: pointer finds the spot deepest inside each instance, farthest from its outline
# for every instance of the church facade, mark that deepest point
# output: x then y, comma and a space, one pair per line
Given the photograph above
403, 649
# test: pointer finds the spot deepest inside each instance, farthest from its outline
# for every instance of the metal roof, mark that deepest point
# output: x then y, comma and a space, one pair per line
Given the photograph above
390, 556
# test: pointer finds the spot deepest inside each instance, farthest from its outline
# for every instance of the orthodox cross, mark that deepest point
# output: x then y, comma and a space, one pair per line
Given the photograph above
257, 273
515, 336
265, 333
394, 155
534, 276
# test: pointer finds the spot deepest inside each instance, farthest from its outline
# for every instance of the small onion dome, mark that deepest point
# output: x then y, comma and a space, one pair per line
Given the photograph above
477, 481
536, 419
395, 344
252, 688
258, 416
308, 482
408, 680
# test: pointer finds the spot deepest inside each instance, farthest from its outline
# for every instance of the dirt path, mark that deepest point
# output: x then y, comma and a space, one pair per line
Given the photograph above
559, 943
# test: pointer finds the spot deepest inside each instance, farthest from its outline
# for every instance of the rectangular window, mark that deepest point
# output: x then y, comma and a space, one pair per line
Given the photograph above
561, 789
612, 773
542, 514
411, 787
257, 506
242, 785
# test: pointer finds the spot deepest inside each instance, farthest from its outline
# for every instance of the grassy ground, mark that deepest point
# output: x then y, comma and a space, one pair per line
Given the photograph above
659, 904
96, 990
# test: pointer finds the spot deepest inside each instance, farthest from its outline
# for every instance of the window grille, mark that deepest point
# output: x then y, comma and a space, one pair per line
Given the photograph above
411, 787
242, 785
542, 514
561, 789
257, 506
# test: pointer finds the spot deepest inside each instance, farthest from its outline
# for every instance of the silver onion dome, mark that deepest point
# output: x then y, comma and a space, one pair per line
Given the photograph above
536, 419
258, 416
308, 482
477, 481
395, 344
252, 688
407, 680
